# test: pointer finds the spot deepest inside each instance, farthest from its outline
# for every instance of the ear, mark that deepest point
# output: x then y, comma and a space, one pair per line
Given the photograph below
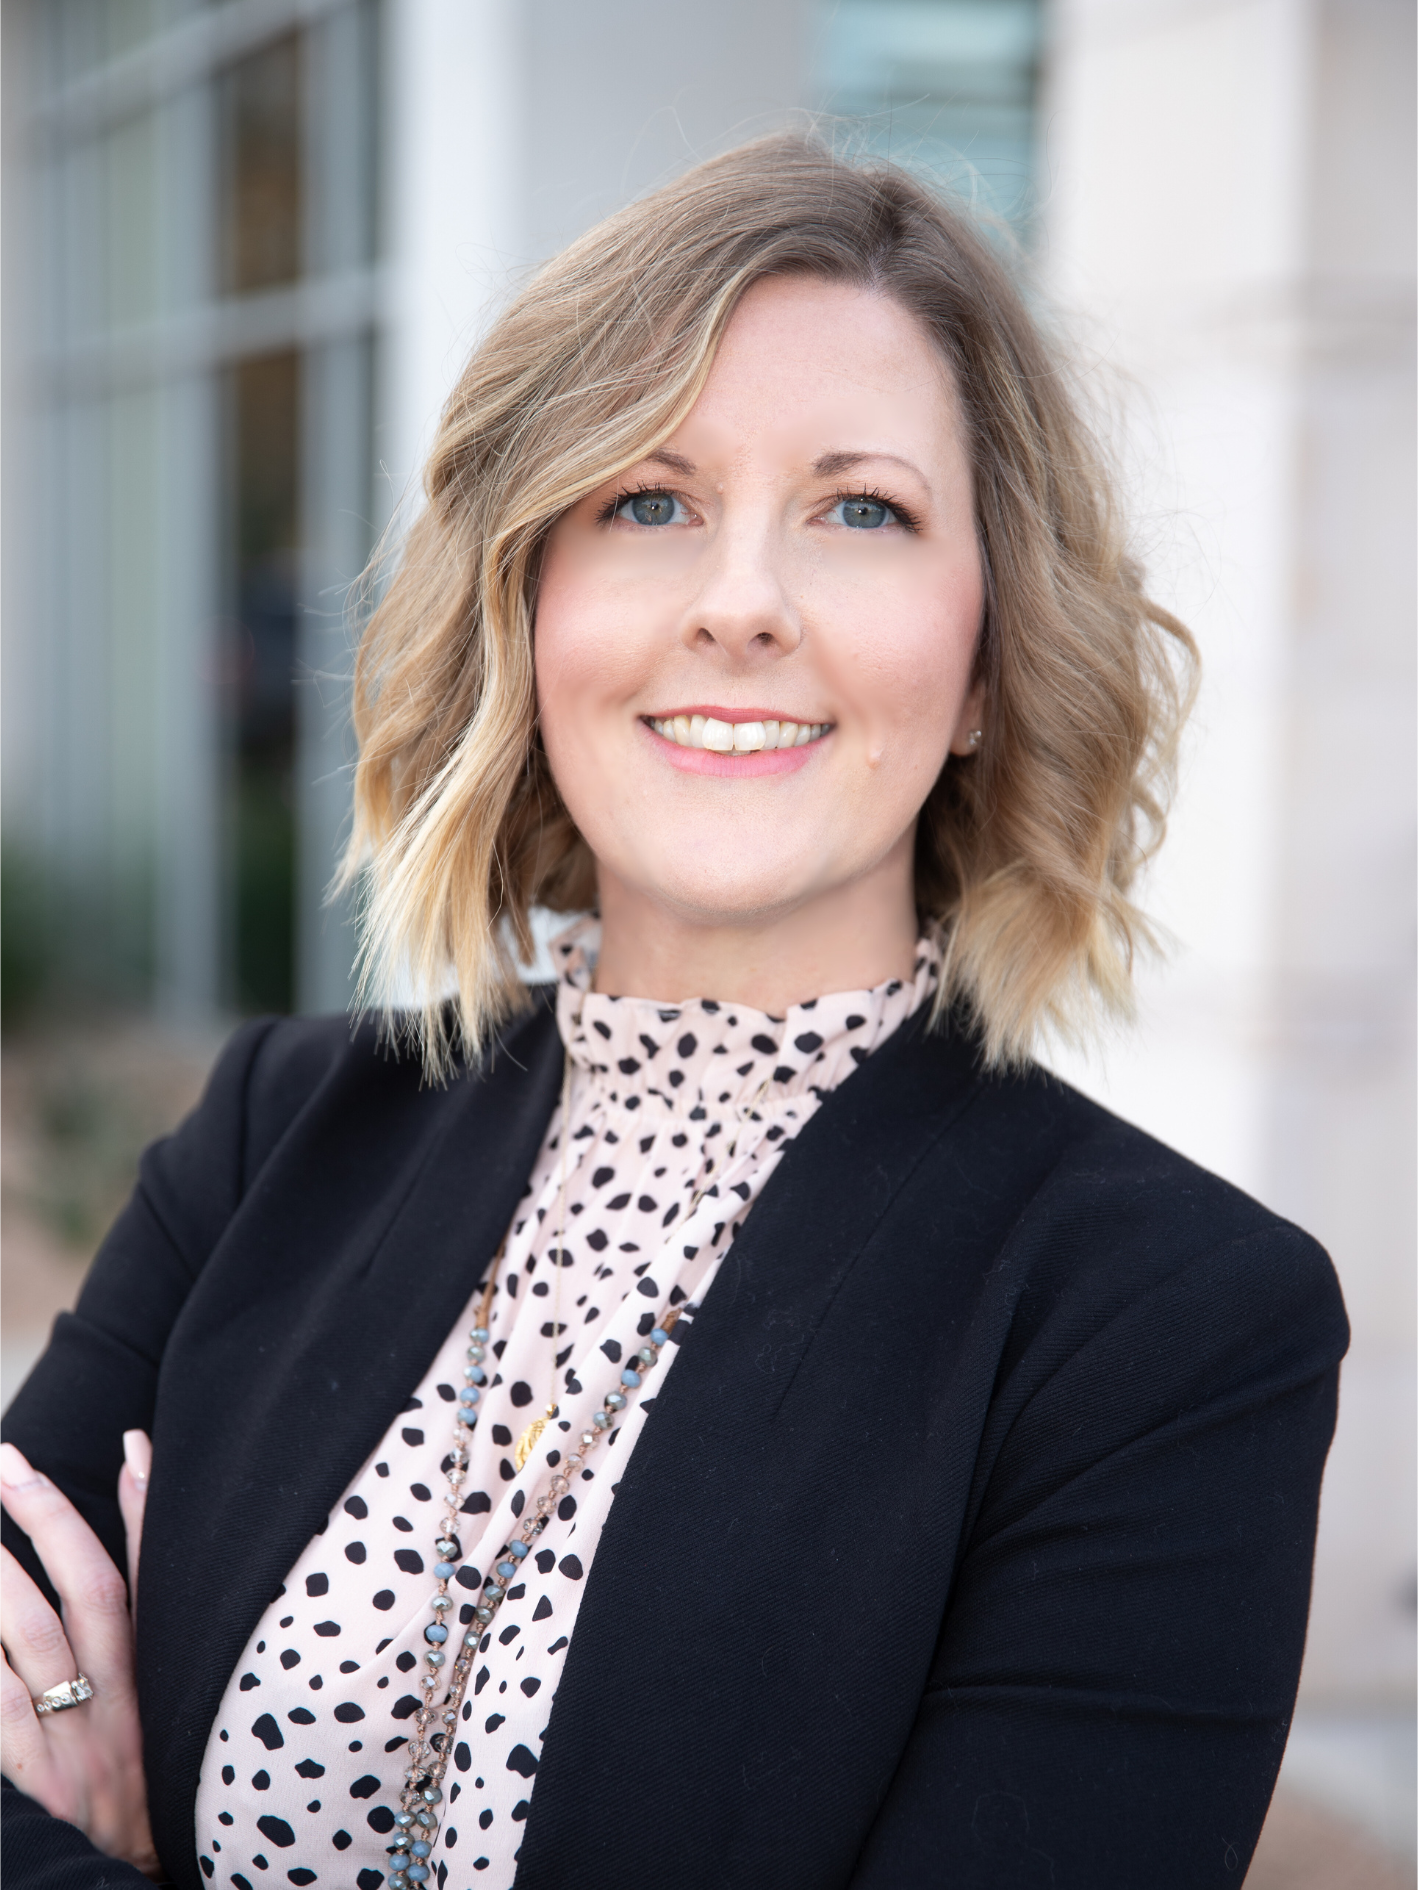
970, 721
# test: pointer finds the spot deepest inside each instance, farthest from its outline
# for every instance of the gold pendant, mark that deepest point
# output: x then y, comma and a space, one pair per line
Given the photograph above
527, 1442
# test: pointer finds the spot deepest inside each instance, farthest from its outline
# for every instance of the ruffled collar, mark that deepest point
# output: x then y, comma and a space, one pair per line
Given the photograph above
706, 1058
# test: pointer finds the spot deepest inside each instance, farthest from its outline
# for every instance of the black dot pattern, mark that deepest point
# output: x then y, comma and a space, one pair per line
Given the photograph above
679, 1115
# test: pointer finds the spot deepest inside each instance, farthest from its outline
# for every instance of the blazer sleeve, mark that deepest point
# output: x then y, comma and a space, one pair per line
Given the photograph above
1114, 1680
98, 1378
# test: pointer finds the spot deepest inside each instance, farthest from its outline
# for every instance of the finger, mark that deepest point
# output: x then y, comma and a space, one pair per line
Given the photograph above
34, 1639
26, 1760
132, 1500
33, 1634
97, 1626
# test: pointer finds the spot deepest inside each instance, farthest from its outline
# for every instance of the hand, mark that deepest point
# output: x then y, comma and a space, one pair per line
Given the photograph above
84, 1764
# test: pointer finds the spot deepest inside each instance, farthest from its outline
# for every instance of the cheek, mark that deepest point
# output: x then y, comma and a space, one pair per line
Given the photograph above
589, 647
905, 651
561, 653
584, 646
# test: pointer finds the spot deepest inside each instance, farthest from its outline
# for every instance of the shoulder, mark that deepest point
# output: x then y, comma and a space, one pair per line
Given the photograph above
1094, 1220
1027, 1138
1127, 1251
1094, 1167
335, 1078
1112, 1290
344, 1065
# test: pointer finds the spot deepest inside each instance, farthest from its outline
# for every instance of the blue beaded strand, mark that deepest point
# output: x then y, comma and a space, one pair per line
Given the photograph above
416, 1822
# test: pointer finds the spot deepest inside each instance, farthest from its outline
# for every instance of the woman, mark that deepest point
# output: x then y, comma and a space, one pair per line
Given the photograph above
748, 1423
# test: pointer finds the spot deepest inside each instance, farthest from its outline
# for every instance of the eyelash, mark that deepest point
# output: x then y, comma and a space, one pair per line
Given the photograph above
905, 517
612, 506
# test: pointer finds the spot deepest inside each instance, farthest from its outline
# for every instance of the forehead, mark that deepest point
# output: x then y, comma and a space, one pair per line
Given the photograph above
808, 367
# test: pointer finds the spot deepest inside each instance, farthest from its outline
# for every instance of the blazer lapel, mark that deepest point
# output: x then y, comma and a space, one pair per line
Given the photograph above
318, 1312
700, 1680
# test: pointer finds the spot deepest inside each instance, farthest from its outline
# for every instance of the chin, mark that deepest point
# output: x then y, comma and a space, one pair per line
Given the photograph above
724, 890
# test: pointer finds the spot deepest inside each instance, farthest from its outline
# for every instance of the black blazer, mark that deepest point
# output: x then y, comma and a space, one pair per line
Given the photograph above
969, 1541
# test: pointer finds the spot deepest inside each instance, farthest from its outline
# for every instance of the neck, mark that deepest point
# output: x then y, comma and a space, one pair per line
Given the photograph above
850, 939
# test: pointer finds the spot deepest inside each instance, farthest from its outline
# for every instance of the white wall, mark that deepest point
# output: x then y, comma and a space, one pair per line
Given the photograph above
1230, 223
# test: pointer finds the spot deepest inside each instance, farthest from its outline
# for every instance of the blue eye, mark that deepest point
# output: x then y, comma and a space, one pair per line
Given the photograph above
651, 508
863, 514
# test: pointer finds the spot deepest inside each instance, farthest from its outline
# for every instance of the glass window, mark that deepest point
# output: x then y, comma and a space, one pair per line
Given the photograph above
203, 478
944, 86
260, 666
260, 218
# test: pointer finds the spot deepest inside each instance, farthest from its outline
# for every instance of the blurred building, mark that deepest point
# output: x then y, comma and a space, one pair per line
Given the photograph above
248, 245
1230, 227
193, 304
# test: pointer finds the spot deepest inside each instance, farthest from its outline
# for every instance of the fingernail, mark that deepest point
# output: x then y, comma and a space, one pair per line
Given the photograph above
138, 1455
15, 1472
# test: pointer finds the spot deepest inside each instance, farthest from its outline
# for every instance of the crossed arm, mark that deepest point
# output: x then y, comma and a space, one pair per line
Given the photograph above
84, 1765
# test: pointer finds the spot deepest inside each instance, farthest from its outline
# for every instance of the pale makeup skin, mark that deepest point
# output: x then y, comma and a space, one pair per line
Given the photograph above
802, 550
766, 875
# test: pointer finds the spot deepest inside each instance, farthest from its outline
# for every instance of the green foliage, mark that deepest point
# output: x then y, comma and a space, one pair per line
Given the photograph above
89, 1146
25, 937
82, 1101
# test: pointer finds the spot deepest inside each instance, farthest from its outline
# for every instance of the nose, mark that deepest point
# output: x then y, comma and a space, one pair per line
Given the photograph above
742, 606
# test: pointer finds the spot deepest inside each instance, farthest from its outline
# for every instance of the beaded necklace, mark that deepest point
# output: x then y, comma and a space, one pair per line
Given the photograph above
527, 1442
416, 1823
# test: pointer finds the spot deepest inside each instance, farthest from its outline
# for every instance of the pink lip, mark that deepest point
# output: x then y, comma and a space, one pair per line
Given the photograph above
732, 715
733, 767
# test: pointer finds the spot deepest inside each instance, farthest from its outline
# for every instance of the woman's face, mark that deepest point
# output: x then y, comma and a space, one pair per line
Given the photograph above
754, 649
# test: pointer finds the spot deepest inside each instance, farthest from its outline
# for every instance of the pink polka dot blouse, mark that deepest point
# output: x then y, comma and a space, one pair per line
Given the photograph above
678, 1115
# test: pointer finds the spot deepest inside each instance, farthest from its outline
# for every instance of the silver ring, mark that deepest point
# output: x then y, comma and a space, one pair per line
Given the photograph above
68, 1693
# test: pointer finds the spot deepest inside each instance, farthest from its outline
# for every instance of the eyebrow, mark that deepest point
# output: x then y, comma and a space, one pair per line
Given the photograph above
826, 465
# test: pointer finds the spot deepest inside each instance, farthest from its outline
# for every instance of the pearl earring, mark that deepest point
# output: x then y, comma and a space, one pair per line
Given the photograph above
974, 738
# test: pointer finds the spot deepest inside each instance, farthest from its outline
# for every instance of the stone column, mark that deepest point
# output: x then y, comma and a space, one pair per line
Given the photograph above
1229, 196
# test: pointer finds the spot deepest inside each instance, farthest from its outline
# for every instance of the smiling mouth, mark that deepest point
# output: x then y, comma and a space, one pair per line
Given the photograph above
735, 738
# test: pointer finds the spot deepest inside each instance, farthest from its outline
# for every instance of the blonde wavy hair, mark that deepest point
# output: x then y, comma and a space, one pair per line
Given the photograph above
1026, 850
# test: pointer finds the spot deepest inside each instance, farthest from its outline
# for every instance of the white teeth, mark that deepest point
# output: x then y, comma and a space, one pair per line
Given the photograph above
736, 738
